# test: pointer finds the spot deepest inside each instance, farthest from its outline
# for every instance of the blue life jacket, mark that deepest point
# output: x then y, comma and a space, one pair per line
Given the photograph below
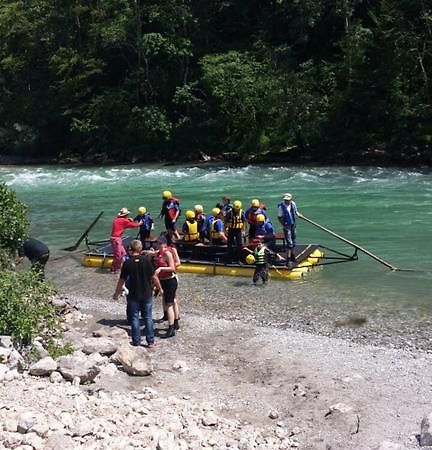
147, 221
288, 218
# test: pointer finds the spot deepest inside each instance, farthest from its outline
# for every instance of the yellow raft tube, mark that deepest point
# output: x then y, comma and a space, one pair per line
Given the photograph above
203, 268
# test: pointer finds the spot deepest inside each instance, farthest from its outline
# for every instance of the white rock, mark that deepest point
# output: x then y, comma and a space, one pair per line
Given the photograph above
135, 360
43, 367
426, 431
76, 366
10, 425
11, 375
387, 445
104, 346
6, 342
210, 419
59, 441
56, 377
83, 428
25, 422
14, 359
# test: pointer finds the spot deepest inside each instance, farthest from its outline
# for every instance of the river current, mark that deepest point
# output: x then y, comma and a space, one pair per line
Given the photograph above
385, 210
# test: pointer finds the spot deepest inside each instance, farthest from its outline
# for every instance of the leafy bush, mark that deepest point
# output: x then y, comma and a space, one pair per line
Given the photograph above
13, 223
25, 308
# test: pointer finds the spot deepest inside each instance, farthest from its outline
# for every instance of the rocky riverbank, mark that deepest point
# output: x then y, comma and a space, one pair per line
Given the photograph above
217, 384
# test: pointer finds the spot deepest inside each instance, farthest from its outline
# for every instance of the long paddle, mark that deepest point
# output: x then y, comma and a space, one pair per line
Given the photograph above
358, 247
86, 232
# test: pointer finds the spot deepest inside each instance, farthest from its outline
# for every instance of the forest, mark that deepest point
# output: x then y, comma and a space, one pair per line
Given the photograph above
102, 81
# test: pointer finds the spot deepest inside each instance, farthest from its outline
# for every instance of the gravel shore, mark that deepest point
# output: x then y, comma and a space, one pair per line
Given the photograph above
337, 380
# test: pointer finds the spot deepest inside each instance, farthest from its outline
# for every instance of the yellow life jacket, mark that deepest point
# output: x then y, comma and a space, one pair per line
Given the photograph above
213, 233
236, 221
192, 232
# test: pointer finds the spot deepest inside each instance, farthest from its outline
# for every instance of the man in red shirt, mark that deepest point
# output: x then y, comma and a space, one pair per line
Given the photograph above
120, 223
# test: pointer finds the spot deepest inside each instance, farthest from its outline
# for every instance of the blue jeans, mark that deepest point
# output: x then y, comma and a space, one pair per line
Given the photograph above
290, 235
133, 309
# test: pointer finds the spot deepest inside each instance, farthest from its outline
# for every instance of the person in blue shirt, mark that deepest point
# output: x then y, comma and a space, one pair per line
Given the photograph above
264, 229
146, 223
287, 214
217, 228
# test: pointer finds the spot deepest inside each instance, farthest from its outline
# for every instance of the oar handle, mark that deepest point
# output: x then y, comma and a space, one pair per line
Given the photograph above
347, 241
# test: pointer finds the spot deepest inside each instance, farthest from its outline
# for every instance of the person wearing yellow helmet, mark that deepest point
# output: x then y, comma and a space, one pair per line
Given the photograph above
264, 229
146, 224
251, 215
217, 228
190, 228
235, 222
201, 219
262, 256
170, 212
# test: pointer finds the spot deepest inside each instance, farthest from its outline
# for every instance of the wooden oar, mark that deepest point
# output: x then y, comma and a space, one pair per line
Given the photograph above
86, 232
358, 247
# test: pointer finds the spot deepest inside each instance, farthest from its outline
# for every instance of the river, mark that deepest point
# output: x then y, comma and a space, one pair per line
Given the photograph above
385, 210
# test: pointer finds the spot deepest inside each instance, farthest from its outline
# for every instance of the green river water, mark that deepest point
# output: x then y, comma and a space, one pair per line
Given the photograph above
386, 210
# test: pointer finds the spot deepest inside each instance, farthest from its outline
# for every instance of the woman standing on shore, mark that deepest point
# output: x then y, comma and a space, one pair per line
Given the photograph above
166, 272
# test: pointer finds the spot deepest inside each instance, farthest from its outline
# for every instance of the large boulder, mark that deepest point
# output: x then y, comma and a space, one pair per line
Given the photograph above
135, 360
75, 366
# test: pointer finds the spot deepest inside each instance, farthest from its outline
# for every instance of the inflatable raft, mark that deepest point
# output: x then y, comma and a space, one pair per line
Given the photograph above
209, 260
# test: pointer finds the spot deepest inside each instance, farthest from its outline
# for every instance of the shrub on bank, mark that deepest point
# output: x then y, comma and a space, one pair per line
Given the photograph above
25, 307
13, 224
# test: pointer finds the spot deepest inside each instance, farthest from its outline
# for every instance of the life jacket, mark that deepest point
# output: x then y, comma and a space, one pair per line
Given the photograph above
171, 207
260, 229
201, 219
147, 221
161, 262
192, 233
251, 214
214, 234
260, 255
235, 219
287, 215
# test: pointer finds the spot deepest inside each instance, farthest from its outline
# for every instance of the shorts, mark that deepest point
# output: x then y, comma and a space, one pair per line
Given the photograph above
169, 286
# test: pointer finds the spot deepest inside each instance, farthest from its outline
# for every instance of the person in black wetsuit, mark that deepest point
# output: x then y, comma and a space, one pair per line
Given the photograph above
37, 252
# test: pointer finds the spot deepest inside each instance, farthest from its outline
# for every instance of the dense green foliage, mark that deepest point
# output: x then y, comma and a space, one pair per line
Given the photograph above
25, 308
13, 224
143, 80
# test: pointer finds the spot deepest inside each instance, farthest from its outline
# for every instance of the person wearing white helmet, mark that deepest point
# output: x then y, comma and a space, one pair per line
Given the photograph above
287, 214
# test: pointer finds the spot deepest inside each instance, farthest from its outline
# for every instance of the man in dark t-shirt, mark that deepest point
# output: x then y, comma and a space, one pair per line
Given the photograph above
139, 272
37, 252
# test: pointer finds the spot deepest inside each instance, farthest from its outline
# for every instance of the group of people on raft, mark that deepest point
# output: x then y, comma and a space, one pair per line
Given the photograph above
225, 226
228, 225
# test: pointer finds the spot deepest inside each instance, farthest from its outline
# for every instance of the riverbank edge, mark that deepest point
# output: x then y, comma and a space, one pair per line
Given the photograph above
405, 157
